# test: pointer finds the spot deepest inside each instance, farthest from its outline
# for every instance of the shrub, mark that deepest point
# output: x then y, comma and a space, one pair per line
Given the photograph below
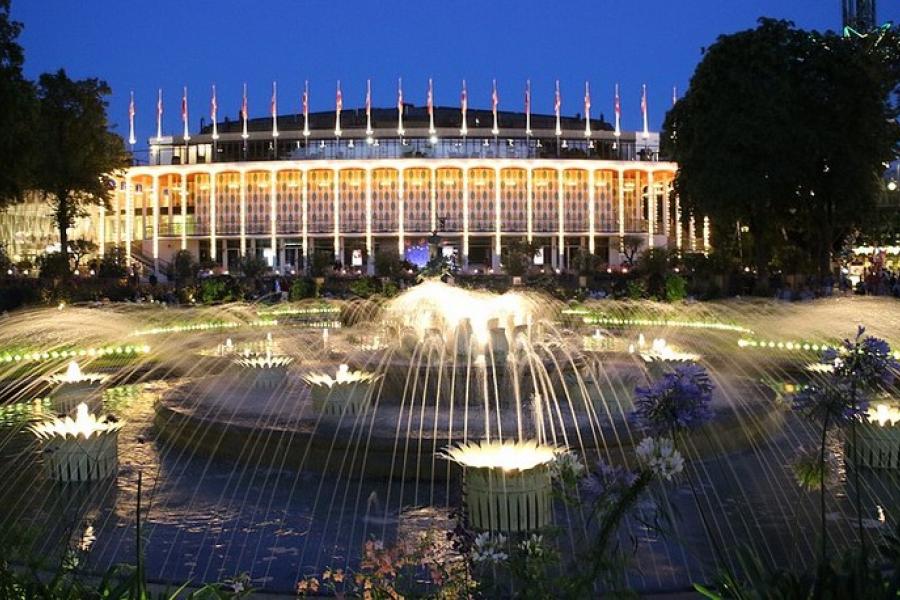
112, 265
183, 266
53, 265
676, 288
635, 289
302, 288
217, 289
362, 287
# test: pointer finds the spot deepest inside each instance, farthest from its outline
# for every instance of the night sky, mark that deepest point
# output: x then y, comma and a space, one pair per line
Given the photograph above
141, 46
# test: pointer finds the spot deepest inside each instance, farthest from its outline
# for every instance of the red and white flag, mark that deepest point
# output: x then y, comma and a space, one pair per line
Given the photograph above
159, 114
557, 108
214, 113
587, 109
184, 114
338, 106
400, 130
646, 132
528, 107
131, 139
244, 133
306, 108
464, 107
617, 108
274, 109
495, 102
430, 102
369, 107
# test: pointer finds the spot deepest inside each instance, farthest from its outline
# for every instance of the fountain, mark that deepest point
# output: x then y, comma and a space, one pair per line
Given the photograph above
267, 370
348, 392
75, 386
507, 484
80, 449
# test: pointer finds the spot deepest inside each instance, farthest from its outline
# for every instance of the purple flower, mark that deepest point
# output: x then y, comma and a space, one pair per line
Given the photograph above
864, 361
677, 401
606, 482
837, 401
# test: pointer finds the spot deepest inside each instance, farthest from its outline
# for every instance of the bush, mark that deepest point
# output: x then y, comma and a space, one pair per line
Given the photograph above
183, 267
635, 289
218, 289
112, 265
302, 288
388, 264
53, 265
389, 289
253, 267
676, 288
362, 287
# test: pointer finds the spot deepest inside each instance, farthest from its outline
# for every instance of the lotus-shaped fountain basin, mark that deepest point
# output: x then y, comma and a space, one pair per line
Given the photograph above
81, 449
74, 375
506, 455
346, 392
265, 361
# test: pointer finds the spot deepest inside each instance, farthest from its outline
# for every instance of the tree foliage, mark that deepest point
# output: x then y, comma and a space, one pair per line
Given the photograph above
78, 152
787, 132
17, 100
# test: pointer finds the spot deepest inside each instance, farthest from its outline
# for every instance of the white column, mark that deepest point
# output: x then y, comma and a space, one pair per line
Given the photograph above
621, 211
495, 255
129, 218
692, 233
242, 213
561, 214
273, 220
706, 233
212, 217
305, 213
401, 237
529, 205
678, 236
184, 217
117, 224
591, 212
155, 242
666, 214
370, 247
434, 218
465, 200
337, 217
101, 230
651, 209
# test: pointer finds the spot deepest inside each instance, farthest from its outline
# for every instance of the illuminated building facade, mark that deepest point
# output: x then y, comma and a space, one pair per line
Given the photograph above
354, 183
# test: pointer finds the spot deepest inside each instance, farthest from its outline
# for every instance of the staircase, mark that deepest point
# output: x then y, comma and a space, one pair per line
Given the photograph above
148, 264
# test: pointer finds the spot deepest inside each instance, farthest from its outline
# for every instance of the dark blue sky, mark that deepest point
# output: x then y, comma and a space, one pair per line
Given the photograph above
144, 45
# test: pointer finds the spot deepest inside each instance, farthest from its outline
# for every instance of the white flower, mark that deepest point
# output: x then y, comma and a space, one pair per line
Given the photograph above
489, 548
533, 546
566, 465
660, 456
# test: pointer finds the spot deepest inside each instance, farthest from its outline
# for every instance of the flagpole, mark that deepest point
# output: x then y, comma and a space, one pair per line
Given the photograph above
338, 104
400, 130
587, 110
275, 121
528, 107
431, 129
244, 134
495, 101
131, 139
369, 130
464, 106
646, 133
214, 115
617, 107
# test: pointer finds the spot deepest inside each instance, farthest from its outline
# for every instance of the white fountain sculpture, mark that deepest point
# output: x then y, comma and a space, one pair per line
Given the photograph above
507, 483
268, 370
75, 386
81, 449
348, 392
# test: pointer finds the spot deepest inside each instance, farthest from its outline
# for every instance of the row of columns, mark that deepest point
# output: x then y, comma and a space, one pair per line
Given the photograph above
369, 239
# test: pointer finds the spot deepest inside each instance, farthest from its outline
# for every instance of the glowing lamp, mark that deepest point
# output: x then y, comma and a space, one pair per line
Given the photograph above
507, 484
81, 449
878, 438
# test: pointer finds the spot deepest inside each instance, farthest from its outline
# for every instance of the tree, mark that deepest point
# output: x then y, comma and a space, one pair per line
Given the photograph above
519, 256
183, 267
631, 245
785, 131
17, 115
79, 249
78, 153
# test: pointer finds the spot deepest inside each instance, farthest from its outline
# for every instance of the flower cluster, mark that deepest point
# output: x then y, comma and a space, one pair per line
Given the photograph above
660, 457
837, 402
606, 483
533, 547
865, 360
489, 548
566, 466
678, 401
